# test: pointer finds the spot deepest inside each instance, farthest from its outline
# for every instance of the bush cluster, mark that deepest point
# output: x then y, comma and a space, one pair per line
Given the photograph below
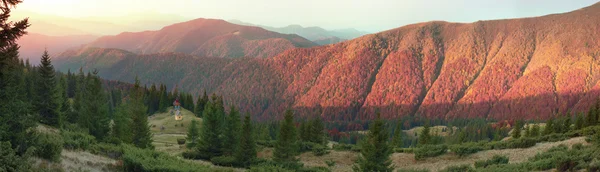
427, 151
49, 146
77, 140
497, 159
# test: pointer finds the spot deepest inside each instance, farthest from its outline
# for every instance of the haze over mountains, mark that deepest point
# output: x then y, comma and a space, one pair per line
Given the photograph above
503, 69
315, 34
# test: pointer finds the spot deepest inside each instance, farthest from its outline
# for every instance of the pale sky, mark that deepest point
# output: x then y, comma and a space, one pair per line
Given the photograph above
366, 15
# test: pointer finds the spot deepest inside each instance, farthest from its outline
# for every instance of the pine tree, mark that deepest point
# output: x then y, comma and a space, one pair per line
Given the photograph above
375, 152
65, 107
535, 131
579, 122
549, 128
48, 104
425, 136
246, 151
16, 119
202, 100
397, 138
164, 100
122, 123
304, 131
232, 129
94, 112
285, 148
211, 142
591, 117
527, 131
317, 131
193, 134
516, 133
567, 124
142, 137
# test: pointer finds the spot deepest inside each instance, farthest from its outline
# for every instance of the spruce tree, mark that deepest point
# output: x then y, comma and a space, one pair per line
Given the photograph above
122, 123
246, 151
164, 100
516, 133
93, 114
202, 100
286, 147
16, 110
211, 142
397, 138
48, 104
232, 129
590, 119
535, 131
142, 137
304, 131
527, 131
567, 124
579, 123
65, 107
317, 131
193, 134
375, 152
425, 136
549, 128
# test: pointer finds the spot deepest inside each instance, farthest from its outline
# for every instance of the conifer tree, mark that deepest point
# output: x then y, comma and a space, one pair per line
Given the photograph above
567, 124
193, 134
285, 148
425, 136
122, 123
549, 128
211, 142
375, 152
304, 131
516, 133
164, 100
202, 100
93, 114
142, 137
591, 117
246, 151
65, 107
527, 131
579, 123
535, 131
232, 129
397, 138
317, 131
48, 104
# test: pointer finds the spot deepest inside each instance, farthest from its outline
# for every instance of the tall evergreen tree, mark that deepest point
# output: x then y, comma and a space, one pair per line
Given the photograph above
591, 117
304, 131
164, 99
16, 111
122, 123
193, 134
65, 107
425, 136
397, 138
375, 152
202, 100
516, 133
94, 112
142, 137
232, 134
48, 104
317, 131
286, 148
246, 151
579, 123
549, 128
211, 142
535, 131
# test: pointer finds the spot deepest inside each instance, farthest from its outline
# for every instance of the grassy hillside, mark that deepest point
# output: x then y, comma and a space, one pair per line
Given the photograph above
166, 140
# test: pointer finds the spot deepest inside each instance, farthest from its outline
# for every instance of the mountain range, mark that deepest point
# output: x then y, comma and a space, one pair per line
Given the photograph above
528, 68
206, 38
33, 44
315, 34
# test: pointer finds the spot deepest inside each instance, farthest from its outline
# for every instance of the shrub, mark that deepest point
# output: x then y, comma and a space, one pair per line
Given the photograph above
228, 161
319, 150
268, 168
306, 146
313, 169
330, 163
497, 159
404, 150
190, 155
460, 168
430, 151
77, 140
577, 146
136, 159
181, 141
512, 144
342, 147
266, 143
49, 146
468, 148
113, 151
10, 161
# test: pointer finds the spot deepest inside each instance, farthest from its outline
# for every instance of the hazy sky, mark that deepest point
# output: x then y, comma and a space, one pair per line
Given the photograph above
366, 15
